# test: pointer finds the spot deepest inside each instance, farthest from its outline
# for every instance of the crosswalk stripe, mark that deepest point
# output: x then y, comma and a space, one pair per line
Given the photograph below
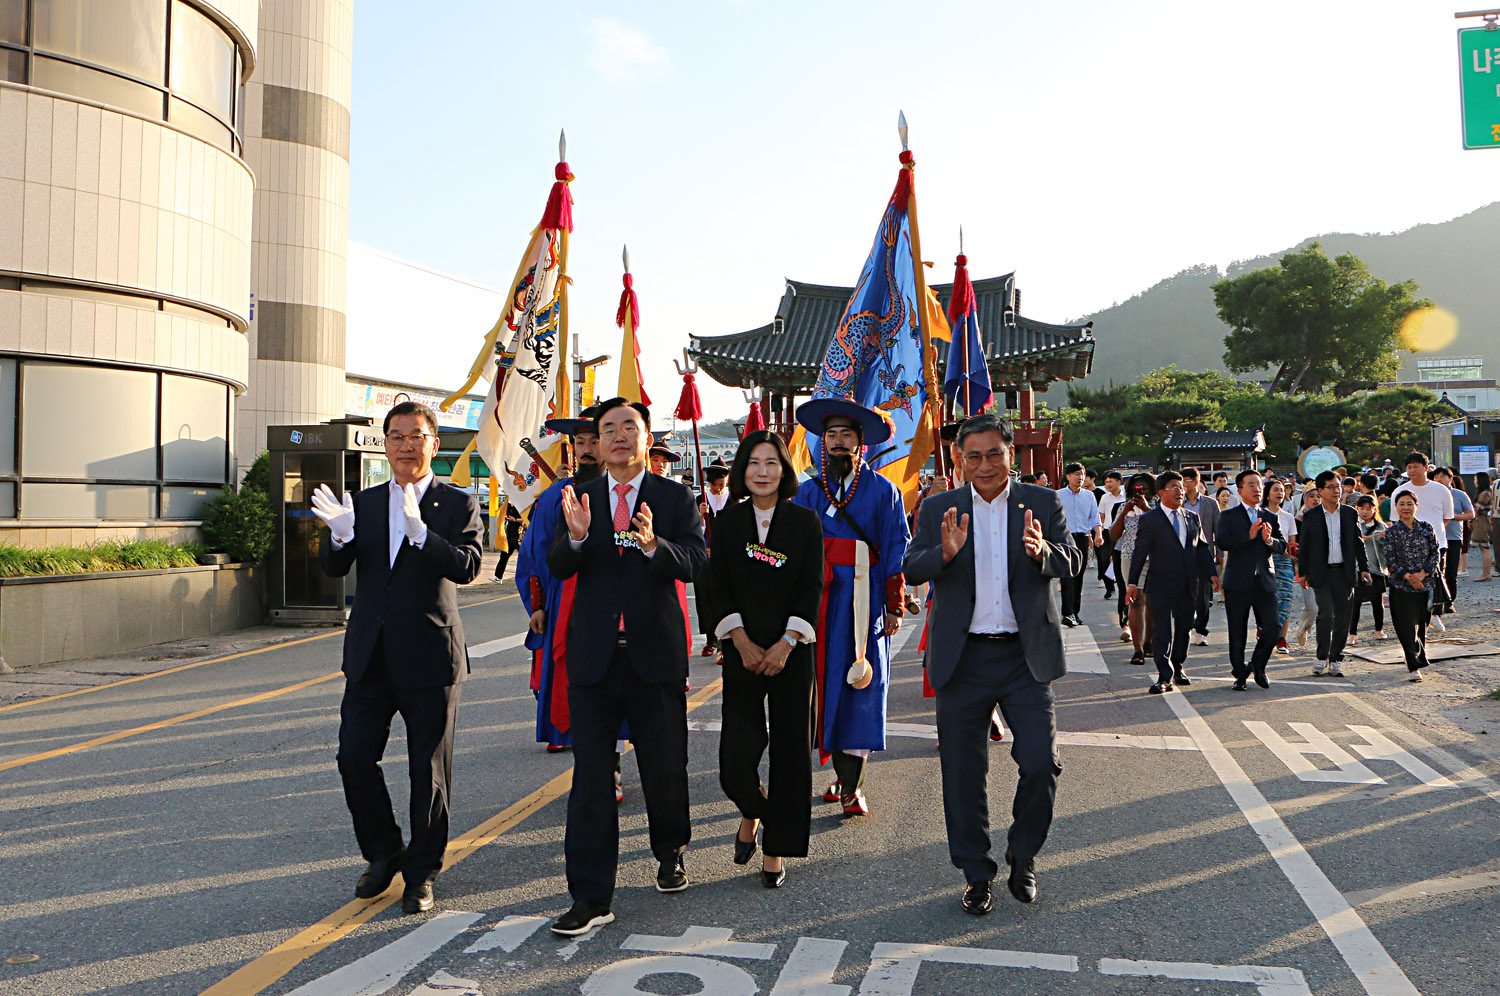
380, 970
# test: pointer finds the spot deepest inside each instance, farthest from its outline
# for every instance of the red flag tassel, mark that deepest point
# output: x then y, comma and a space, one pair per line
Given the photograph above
963, 292
902, 197
559, 212
628, 303
689, 405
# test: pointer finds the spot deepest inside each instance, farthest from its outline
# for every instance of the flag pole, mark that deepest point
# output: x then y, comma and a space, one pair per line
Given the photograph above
929, 358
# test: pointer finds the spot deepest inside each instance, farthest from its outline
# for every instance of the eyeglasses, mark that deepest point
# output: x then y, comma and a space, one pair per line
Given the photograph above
624, 429
396, 440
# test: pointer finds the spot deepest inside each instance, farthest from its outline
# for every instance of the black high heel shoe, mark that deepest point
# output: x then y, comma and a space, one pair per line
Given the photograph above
773, 880
744, 850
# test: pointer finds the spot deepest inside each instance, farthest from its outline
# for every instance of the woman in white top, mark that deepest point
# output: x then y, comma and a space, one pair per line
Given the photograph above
1286, 570
1309, 618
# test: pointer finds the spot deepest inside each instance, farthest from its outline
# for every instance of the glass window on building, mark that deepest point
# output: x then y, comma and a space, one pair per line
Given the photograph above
92, 84
185, 503
12, 65
125, 35
202, 64
199, 123
7, 416
13, 21
194, 430
91, 423
87, 501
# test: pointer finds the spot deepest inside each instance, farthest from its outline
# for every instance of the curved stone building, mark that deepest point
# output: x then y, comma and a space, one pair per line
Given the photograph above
132, 134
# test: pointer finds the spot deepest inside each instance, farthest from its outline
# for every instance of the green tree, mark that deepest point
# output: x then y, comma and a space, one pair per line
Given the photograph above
1320, 323
1390, 423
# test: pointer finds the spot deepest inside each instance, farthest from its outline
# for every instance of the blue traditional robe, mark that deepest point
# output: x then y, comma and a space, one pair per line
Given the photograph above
851, 718
537, 584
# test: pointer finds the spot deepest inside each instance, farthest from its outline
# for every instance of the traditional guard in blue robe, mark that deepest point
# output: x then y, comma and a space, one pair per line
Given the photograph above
864, 542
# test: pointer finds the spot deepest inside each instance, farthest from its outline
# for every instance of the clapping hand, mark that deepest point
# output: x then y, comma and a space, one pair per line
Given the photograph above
643, 533
1031, 538
338, 517
415, 528
955, 534
575, 514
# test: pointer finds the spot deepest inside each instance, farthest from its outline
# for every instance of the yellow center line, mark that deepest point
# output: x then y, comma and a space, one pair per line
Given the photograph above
163, 723
210, 660
271, 966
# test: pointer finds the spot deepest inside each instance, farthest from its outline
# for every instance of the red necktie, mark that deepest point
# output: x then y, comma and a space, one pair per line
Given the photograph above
622, 523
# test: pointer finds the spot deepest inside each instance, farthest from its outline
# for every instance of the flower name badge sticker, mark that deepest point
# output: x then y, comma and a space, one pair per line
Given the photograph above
764, 554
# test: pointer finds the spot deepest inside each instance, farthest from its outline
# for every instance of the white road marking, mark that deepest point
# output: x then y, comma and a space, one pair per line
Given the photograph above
1082, 652
567, 951
1295, 755
1366, 957
508, 934
927, 731
1421, 890
380, 970
893, 967
1464, 773
1378, 747
1270, 980
711, 942
717, 977
809, 970
490, 647
909, 625
443, 984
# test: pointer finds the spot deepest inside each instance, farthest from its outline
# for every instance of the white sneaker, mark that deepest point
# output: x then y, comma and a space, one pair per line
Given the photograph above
1319, 668
1463, 573
1437, 625
1381, 635
1125, 635
1200, 641
1335, 671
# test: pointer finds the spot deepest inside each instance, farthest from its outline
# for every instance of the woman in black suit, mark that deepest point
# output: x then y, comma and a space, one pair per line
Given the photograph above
765, 580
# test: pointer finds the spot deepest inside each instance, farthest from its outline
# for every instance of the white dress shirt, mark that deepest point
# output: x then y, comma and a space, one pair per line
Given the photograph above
1179, 523
1335, 535
993, 612
795, 624
396, 521
631, 497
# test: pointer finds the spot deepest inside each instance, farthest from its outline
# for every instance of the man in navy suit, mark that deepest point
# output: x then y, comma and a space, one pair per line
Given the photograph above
1331, 559
1248, 535
1171, 540
412, 540
632, 539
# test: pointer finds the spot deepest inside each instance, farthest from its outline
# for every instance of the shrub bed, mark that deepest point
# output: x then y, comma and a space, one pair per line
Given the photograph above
127, 555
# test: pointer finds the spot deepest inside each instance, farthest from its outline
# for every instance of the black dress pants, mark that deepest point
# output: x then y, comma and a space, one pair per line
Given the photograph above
1203, 600
1410, 613
1121, 609
1335, 608
1237, 608
989, 674
1452, 558
1171, 621
1103, 557
657, 714
786, 810
1072, 588
430, 716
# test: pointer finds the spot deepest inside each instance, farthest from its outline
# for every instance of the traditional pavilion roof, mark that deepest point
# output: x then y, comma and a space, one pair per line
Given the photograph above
1239, 440
790, 349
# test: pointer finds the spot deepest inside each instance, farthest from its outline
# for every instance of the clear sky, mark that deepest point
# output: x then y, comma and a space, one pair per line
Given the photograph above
1094, 147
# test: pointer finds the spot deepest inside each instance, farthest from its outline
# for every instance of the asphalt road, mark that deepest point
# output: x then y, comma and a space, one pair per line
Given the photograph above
1204, 844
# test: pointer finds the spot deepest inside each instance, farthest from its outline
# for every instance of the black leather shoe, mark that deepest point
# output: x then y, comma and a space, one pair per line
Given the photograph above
979, 898
1161, 686
773, 880
581, 919
1260, 678
1239, 684
1022, 881
744, 850
1179, 677
1069, 621
378, 875
417, 898
671, 876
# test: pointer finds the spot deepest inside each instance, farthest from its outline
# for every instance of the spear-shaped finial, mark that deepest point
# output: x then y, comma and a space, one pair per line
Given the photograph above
960, 240
625, 257
562, 145
901, 128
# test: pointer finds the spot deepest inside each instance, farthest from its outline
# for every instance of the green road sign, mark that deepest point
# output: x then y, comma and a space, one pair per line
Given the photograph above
1479, 76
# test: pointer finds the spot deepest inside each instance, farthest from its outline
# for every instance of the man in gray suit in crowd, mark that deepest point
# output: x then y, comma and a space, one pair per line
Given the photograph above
994, 552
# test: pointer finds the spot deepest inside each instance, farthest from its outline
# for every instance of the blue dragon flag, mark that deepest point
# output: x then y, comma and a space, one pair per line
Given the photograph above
880, 352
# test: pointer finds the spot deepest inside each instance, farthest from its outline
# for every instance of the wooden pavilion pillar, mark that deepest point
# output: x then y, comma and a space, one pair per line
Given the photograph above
1027, 413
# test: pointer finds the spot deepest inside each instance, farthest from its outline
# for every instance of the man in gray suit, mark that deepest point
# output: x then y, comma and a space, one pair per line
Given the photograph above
994, 551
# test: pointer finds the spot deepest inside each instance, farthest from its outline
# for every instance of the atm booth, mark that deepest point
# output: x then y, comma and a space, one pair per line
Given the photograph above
347, 454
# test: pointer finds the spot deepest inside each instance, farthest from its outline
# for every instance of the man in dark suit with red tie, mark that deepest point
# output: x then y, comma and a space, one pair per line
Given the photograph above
412, 540
1247, 535
1171, 540
631, 538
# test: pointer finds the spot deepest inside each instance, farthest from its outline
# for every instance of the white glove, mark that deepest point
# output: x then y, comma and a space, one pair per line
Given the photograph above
416, 529
338, 518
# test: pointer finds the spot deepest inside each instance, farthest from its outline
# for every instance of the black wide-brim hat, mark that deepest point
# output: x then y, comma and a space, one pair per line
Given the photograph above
716, 470
571, 426
812, 415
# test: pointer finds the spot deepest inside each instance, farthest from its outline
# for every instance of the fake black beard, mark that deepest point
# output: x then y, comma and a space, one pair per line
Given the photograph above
586, 472
840, 465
